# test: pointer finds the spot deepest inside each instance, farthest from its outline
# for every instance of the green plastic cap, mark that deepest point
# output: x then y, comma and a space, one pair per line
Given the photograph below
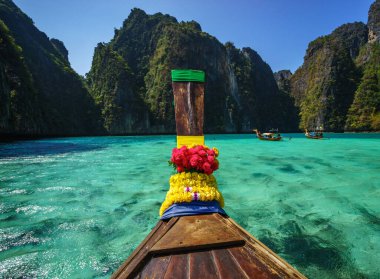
188, 75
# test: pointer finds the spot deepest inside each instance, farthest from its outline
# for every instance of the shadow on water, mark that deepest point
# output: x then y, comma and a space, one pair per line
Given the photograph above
305, 248
44, 149
288, 168
324, 249
368, 216
259, 175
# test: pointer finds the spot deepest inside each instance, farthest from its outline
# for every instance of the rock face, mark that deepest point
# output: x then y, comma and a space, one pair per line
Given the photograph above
283, 80
113, 86
364, 113
59, 45
261, 103
128, 89
147, 47
19, 112
374, 22
337, 87
40, 93
324, 86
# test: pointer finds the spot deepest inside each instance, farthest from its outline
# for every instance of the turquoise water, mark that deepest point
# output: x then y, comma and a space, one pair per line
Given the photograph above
77, 207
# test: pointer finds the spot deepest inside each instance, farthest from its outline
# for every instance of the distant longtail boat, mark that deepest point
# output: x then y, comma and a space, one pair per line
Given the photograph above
316, 134
272, 135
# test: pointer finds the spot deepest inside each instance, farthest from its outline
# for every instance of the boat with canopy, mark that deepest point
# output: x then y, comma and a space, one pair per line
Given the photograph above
272, 135
315, 134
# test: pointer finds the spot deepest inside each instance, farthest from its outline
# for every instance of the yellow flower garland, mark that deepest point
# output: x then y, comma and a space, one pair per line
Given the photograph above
186, 187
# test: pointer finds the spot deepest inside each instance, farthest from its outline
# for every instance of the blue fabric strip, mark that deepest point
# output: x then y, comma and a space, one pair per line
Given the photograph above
192, 208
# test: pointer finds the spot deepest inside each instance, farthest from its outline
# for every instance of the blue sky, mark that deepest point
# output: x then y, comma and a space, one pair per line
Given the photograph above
279, 30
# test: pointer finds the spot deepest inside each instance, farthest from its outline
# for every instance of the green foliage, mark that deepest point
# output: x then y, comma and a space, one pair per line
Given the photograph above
375, 121
110, 85
324, 86
262, 104
17, 94
128, 89
365, 109
241, 92
55, 100
312, 108
179, 46
61, 48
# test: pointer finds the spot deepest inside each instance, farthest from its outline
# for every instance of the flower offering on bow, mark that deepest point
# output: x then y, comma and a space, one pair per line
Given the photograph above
194, 180
198, 158
188, 187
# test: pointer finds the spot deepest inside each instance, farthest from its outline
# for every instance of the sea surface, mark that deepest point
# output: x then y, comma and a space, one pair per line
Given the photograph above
77, 207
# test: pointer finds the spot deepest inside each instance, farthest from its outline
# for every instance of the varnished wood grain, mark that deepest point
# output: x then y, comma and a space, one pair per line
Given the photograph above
155, 269
264, 254
244, 259
202, 265
178, 267
197, 232
189, 108
137, 258
227, 265
251, 265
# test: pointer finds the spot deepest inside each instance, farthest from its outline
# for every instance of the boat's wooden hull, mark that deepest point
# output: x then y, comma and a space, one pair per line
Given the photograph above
270, 139
203, 246
260, 136
314, 137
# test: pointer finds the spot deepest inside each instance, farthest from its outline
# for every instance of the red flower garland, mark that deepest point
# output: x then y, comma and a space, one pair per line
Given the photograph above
198, 158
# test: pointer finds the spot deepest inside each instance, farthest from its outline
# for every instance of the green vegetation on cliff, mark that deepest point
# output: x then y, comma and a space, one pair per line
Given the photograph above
184, 45
18, 98
262, 104
337, 87
364, 113
128, 89
111, 85
324, 86
150, 46
49, 97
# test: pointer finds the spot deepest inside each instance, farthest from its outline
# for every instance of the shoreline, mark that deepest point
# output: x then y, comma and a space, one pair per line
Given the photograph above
4, 138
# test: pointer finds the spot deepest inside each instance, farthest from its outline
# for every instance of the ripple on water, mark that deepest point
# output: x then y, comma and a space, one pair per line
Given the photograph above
33, 209
16, 239
80, 207
10, 192
57, 188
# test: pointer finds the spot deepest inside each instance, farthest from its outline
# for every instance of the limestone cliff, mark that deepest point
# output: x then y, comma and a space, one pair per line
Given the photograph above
41, 94
149, 46
283, 80
337, 85
374, 22
324, 86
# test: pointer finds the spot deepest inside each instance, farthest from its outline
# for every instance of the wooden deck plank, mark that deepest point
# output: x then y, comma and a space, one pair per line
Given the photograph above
197, 232
137, 258
202, 265
263, 253
155, 269
251, 265
206, 242
178, 267
226, 265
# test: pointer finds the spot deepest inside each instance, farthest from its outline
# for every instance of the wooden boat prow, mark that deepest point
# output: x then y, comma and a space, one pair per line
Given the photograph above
203, 246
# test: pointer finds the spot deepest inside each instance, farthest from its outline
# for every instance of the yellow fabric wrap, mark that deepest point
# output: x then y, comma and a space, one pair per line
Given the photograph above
185, 185
190, 141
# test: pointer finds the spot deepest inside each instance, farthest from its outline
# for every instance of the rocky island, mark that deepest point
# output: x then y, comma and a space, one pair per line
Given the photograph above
128, 88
